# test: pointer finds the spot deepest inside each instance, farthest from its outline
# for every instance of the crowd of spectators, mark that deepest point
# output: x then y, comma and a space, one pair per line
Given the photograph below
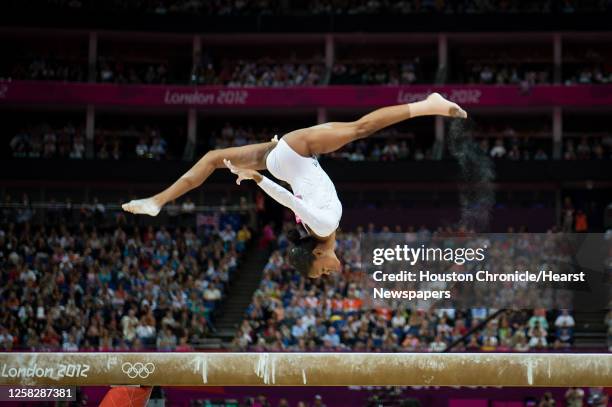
376, 73
166, 7
451, 7
69, 286
388, 146
275, 72
232, 135
45, 141
391, 145
259, 401
587, 148
291, 313
517, 65
114, 71
68, 142
44, 69
586, 66
86, 279
574, 397
154, 147
263, 72
588, 76
276, 7
393, 148
512, 146
397, 396
501, 74
108, 70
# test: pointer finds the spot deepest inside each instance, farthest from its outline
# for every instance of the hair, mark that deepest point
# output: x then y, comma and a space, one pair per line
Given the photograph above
300, 255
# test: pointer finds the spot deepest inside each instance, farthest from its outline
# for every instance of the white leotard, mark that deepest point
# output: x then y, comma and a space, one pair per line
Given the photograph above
314, 199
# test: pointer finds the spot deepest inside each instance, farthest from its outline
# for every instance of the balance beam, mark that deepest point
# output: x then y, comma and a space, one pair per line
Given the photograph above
306, 369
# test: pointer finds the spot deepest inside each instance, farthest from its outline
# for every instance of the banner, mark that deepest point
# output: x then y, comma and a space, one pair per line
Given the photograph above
156, 96
207, 220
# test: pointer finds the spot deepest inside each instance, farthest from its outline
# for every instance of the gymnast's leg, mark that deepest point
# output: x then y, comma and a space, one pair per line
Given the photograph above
251, 156
329, 137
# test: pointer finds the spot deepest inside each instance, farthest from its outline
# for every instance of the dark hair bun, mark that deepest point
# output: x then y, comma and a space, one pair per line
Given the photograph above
300, 256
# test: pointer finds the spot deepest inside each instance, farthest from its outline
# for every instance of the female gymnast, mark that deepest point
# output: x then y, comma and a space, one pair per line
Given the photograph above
293, 160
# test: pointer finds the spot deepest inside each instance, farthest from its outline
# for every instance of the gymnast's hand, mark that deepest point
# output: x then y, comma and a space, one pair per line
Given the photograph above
243, 173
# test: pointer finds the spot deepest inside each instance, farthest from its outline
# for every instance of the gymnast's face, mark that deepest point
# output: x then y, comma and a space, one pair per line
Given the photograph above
326, 262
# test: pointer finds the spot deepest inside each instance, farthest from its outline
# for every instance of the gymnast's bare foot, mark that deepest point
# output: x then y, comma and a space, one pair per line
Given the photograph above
148, 206
445, 107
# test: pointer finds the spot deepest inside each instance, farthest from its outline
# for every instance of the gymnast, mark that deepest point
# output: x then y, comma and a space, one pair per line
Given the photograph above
292, 159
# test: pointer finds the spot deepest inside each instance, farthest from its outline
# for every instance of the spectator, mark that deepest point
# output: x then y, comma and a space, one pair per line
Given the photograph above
228, 234
581, 223
574, 397
521, 344
129, 323
188, 206
158, 148
142, 148
547, 400
70, 345
184, 345
498, 150
6, 340
78, 148
565, 320
438, 345
331, 338
268, 236
538, 319
298, 329
212, 293
540, 155
583, 150
168, 320
597, 397
166, 340
242, 238
569, 153
537, 338
318, 401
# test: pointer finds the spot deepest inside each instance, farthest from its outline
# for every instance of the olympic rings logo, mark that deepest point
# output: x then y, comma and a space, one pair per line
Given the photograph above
138, 369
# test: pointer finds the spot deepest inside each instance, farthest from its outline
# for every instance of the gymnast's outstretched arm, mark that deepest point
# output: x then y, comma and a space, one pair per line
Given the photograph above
250, 156
329, 137
300, 208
